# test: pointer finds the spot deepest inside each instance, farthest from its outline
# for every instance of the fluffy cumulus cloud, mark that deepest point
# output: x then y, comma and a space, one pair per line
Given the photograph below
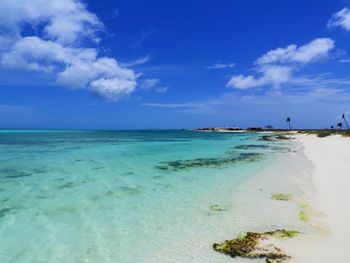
53, 37
269, 74
277, 66
341, 19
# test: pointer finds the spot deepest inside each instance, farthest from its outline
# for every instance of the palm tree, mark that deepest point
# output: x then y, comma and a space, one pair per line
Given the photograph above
288, 120
343, 117
340, 125
332, 127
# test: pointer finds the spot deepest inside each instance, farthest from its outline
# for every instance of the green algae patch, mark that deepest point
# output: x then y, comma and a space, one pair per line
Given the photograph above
254, 245
283, 234
282, 197
303, 216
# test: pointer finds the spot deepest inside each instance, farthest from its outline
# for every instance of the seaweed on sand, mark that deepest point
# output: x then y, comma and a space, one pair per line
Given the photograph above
254, 245
303, 216
208, 162
282, 197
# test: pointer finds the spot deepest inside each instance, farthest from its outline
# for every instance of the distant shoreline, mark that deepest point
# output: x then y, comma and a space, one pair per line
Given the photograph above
317, 132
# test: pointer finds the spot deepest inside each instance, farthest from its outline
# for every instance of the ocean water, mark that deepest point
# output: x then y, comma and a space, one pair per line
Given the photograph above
118, 196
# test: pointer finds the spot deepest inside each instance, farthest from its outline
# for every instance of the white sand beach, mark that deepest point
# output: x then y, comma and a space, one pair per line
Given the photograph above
331, 178
316, 172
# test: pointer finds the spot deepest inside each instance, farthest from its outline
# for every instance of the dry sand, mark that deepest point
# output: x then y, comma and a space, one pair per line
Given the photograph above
331, 178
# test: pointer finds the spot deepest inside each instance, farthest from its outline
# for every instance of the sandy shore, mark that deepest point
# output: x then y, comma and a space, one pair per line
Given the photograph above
317, 173
331, 178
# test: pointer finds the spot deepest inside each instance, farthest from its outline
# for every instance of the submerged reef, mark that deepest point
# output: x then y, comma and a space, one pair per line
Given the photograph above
256, 245
208, 162
5, 211
217, 208
251, 146
282, 197
267, 138
282, 137
274, 137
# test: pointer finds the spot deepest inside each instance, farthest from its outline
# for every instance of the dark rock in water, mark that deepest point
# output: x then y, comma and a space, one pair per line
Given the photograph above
4, 211
251, 146
267, 138
128, 190
256, 245
66, 185
282, 137
208, 162
14, 173
280, 149
216, 208
274, 137
39, 171
97, 168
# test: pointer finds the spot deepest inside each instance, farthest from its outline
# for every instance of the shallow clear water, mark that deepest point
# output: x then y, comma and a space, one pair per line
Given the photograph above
115, 196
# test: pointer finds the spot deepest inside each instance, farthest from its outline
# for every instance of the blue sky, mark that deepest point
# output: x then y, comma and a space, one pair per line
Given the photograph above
173, 64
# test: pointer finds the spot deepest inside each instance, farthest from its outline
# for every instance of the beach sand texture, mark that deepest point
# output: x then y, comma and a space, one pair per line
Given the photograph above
331, 179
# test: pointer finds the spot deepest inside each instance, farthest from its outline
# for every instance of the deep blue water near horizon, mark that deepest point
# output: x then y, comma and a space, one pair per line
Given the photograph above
115, 196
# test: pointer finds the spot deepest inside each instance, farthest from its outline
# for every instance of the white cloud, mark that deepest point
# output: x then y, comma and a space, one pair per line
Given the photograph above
277, 66
269, 74
162, 89
137, 62
341, 19
147, 84
314, 50
113, 88
64, 21
221, 66
51, 37
152, 84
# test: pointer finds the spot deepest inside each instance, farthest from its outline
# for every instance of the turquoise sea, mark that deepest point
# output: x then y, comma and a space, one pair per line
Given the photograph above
117, 196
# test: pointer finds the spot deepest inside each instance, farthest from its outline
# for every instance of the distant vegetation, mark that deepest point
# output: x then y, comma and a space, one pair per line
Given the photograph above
325, 133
